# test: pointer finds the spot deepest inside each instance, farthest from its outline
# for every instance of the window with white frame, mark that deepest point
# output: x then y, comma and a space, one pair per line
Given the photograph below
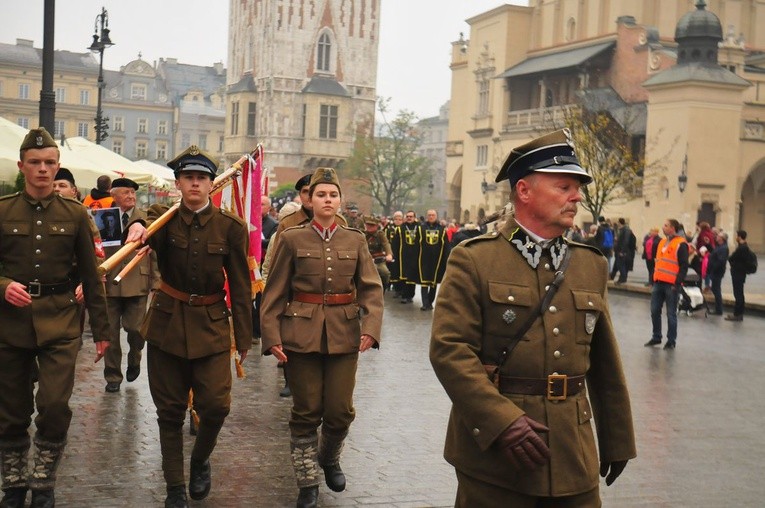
162, 127
234, 118
328, 122
82, 129
60, 95
161, 151
143, 125
58, 128
483, 96
119, 124
23, 90
138, 91
141, 148
117, 146
85, 97
202, 141
482, 156
23, 122
185, 139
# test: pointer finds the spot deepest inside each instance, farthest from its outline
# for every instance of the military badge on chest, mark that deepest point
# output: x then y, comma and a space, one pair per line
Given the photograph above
508, 316
590, 318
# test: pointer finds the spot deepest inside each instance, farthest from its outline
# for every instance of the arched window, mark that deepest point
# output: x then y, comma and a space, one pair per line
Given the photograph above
324, 51
571, 29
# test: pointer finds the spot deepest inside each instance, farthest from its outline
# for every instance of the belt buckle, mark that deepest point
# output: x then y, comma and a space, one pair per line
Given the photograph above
552, 381
192, 298
34, 289
324, 298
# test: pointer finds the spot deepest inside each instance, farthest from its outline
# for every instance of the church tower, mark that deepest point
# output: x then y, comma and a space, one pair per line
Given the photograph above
301, 80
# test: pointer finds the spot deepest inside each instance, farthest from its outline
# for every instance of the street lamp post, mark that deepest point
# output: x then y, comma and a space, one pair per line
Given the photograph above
682, 179
101, 41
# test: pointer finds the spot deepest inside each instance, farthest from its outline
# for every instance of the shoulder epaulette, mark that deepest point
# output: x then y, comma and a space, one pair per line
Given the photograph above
230, 215
349, 228
298, 226
9, 196
585, 245
486, 236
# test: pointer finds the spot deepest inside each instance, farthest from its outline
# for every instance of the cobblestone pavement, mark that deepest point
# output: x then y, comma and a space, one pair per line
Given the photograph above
698, 412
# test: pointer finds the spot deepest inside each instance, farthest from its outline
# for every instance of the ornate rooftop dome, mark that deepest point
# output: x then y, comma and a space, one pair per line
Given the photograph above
699, 23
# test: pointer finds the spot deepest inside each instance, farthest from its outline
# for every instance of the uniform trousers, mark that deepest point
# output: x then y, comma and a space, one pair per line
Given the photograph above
55, 380
170, 378
322, 392
130, 311
473, 493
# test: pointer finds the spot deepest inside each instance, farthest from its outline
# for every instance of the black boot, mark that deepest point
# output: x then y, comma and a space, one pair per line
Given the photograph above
176, 497
330, 446
308, 497
43, 499
14, 497
199, 480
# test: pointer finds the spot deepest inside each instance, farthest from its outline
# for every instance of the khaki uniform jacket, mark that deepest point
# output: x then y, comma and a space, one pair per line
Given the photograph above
193, 250
304, 262
43, 241
488, 292
140, 280
300, 216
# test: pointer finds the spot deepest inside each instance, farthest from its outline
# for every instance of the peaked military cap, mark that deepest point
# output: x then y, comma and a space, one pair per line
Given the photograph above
371, 220
124, 182
303, 181
64, 174
38, 138
325, 175
552, 153
193, 159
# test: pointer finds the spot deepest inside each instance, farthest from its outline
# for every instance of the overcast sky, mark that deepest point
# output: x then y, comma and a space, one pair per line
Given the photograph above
414, 52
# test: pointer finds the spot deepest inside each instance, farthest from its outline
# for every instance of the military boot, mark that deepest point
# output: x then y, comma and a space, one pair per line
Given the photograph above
304, 450
330, 446
43, 478
176, 497
13, 464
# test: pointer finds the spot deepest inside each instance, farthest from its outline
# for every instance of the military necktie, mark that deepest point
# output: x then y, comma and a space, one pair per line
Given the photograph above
125, 218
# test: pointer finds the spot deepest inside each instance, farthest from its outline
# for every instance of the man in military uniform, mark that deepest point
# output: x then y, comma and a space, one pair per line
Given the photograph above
126, 301
355, 220
409, 256
44, 237
187, 327
522, 435
434, 249
379, 248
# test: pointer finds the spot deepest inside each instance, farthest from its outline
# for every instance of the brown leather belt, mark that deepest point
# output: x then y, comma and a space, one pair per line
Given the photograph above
554, 387
324, 298
189, 298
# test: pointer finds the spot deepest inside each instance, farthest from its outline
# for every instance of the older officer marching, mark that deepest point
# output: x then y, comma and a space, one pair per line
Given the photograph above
187, 326
126, 301
42, 237
522, 323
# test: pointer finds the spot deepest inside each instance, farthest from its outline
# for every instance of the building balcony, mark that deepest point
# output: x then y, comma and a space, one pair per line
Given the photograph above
531, 119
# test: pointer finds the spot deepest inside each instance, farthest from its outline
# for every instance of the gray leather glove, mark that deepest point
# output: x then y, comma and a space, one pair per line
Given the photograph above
612, 469
521, 444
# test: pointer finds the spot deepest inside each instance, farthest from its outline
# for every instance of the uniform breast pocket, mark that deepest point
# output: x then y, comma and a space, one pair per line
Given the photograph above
511, 305
589, 307
15, 228
217, 249
309, 262
346, 262
177, 241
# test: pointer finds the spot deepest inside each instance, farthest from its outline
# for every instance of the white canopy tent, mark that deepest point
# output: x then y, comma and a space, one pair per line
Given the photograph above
159, 172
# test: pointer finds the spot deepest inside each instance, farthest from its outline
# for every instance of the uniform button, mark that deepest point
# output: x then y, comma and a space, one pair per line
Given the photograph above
39, 223
511, 298
38, 251
590, 304
329, 258
308, 254
327, 249
194, 253
547, 266
557, 354
37, 266
329, 268
553, 309
556, 331
476, 431
62, 230
196, 240
294, 313
15, 230
493, 233
38, 208
329, 279
547, 287
39, 237
326, 239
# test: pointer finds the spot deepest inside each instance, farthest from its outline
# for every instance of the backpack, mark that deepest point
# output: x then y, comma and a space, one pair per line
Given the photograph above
608, 238
751, 263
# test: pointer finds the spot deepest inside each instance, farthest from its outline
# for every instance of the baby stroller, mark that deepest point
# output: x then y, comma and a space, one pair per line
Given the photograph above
691, 298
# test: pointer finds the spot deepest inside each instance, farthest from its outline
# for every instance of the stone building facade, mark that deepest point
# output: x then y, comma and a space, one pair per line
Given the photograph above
301, 80
434, 131
520, 66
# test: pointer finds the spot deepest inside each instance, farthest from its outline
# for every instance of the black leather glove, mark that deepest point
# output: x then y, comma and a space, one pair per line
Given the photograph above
616, 467
521, 444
